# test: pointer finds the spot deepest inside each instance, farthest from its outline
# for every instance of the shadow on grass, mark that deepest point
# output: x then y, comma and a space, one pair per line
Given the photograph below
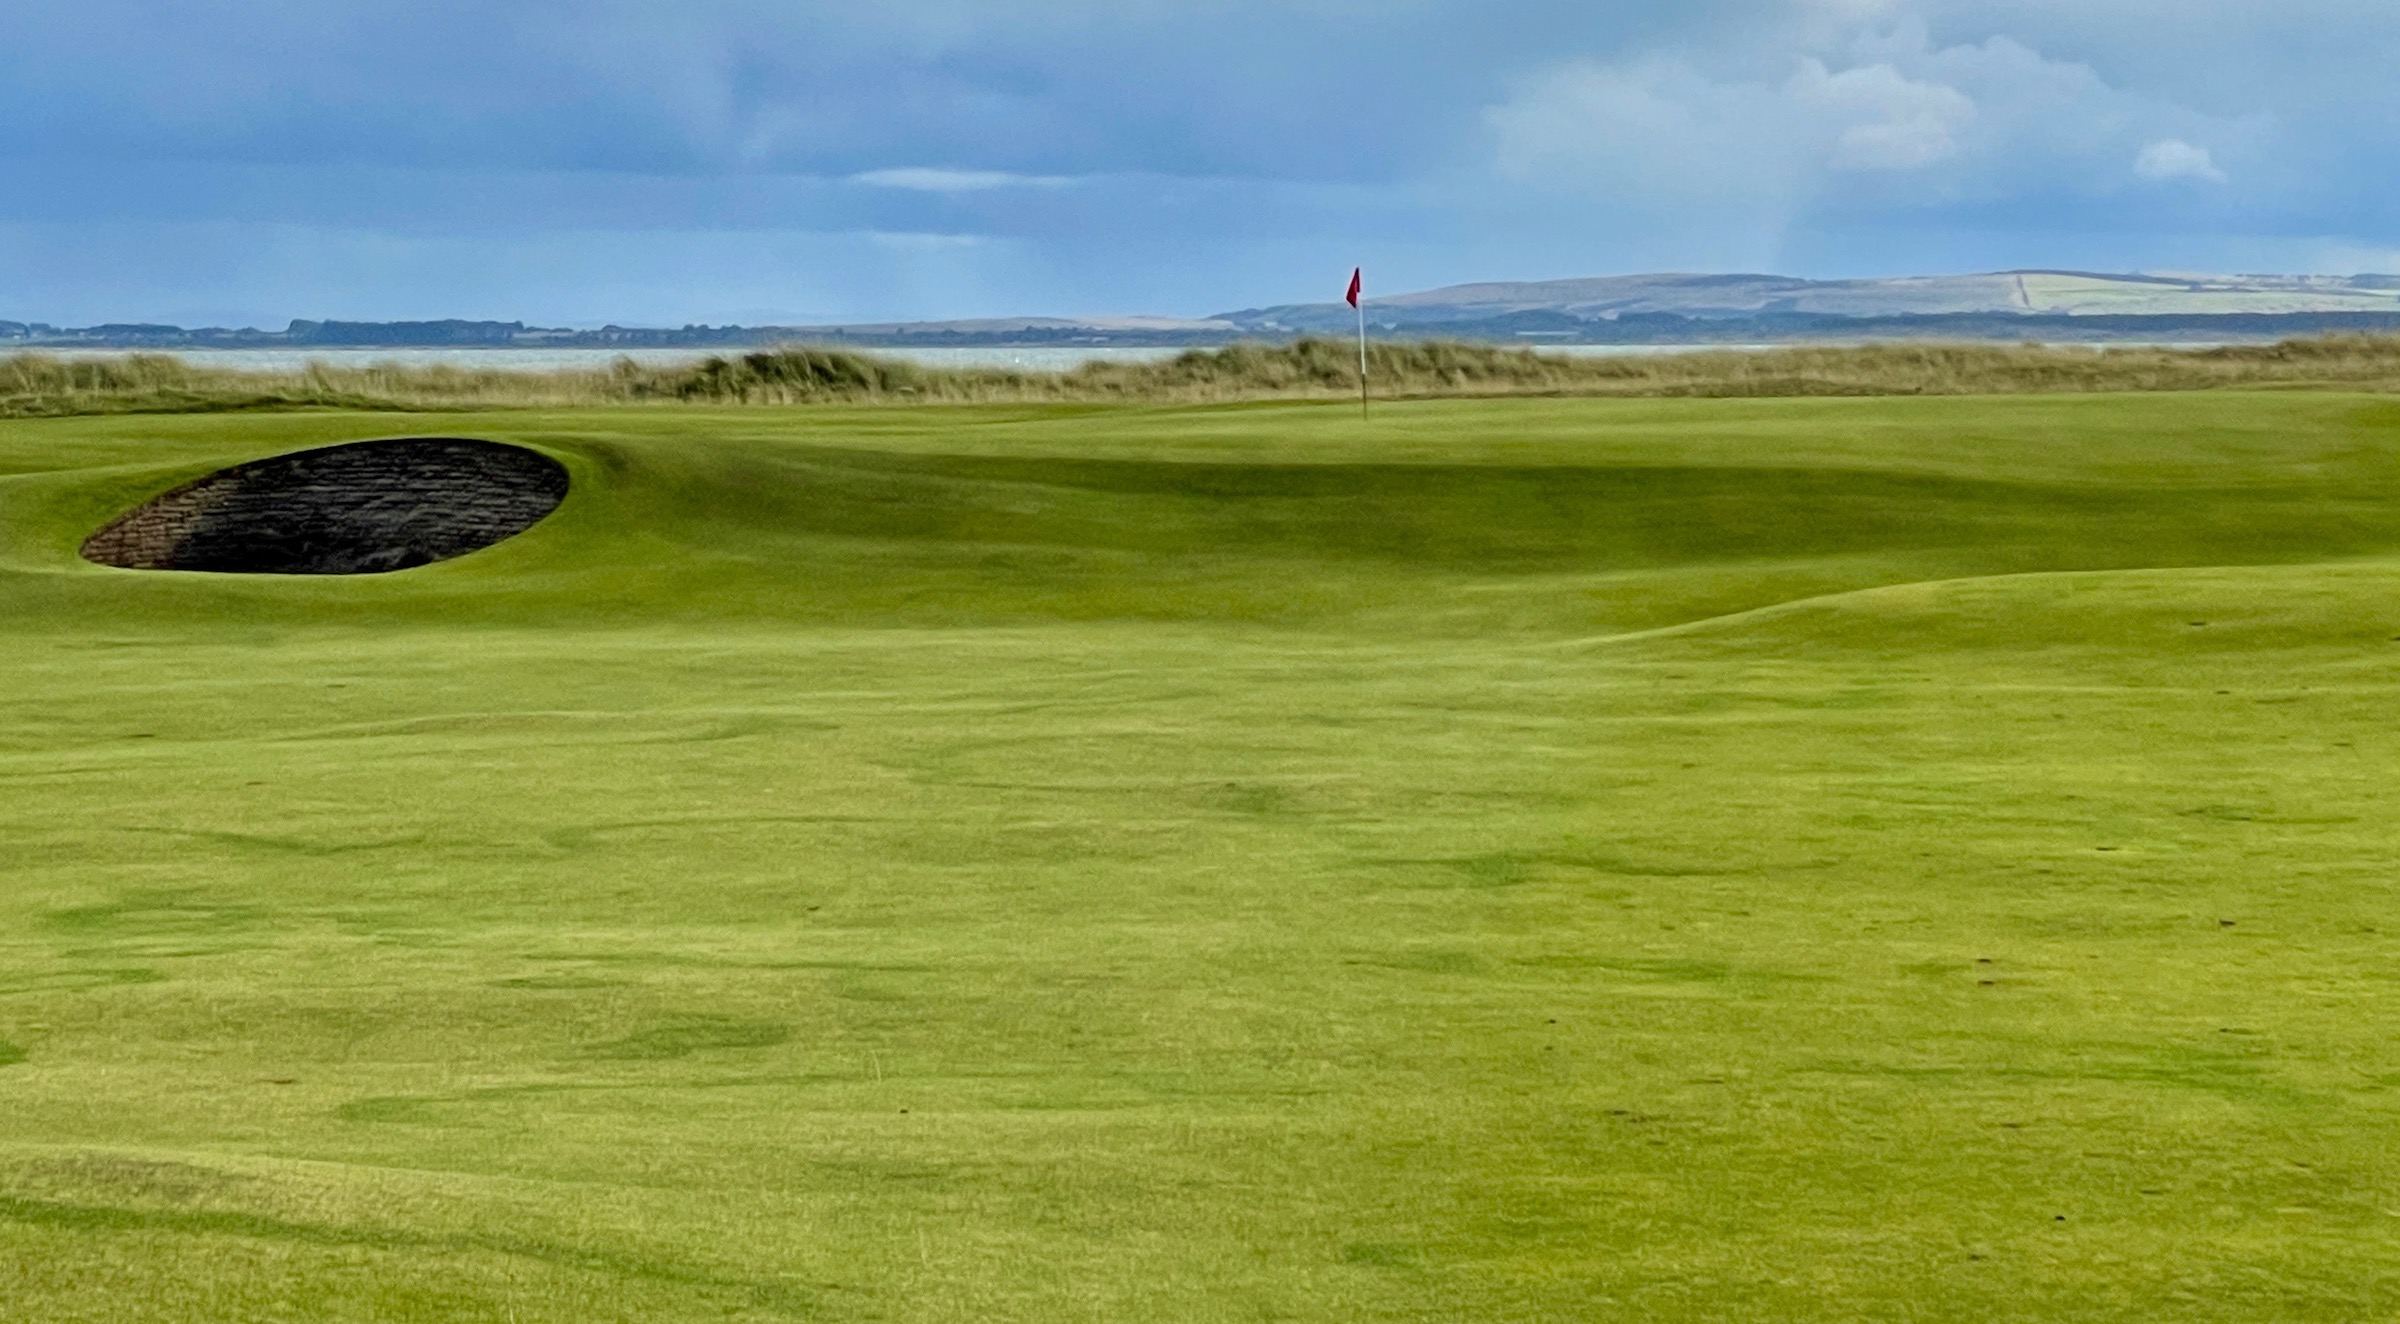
781, 1298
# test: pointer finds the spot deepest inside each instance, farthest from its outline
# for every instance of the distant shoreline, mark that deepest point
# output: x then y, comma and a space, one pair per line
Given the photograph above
1664, 311
1639, 331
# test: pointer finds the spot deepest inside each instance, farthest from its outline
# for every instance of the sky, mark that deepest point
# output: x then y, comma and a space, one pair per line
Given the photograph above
583, 162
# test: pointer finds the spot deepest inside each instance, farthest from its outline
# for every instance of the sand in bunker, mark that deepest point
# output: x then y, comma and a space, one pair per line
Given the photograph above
365, 508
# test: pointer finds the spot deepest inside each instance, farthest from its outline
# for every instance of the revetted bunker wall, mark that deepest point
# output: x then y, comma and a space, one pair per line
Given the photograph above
365, 508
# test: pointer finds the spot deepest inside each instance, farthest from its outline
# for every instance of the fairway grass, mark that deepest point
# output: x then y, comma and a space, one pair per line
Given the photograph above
1510, 860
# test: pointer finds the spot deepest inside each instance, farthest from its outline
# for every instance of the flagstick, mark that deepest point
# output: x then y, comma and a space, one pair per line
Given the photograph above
1362, 356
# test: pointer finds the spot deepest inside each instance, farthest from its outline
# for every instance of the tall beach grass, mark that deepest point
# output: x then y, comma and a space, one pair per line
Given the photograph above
44, 385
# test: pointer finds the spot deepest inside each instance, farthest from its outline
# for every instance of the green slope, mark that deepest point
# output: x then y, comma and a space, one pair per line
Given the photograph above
1516, 860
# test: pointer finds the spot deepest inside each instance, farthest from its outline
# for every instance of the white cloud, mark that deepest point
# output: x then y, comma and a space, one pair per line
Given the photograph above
1851, 109
2173, 158
918, 242
1666, 136
921, 180
1882, 119
1848, 11
2346, 258
1659, 125
1662, 146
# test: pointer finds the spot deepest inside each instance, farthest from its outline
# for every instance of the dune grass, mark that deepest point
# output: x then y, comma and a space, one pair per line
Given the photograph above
1517, 860
36, 385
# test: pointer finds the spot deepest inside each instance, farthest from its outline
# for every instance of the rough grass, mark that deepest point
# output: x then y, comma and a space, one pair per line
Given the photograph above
35, 385
1877, 860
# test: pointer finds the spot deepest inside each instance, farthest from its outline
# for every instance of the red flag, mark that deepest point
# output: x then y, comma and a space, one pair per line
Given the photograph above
1358, 285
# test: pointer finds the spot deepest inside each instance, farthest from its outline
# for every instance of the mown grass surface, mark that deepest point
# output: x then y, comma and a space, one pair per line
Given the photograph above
1519, 860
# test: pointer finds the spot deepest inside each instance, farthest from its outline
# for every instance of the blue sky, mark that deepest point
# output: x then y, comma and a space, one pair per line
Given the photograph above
660, 163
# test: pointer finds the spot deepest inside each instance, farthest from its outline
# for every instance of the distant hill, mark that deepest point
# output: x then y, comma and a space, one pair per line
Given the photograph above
1657, 309
2016, 300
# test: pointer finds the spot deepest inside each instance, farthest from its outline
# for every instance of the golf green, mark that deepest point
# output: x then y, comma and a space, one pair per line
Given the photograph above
1505, 860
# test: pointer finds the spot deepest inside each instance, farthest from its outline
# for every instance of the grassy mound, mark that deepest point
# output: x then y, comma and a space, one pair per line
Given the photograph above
1686, 860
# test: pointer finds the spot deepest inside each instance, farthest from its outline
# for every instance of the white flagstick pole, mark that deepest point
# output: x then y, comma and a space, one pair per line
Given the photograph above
1362, 350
